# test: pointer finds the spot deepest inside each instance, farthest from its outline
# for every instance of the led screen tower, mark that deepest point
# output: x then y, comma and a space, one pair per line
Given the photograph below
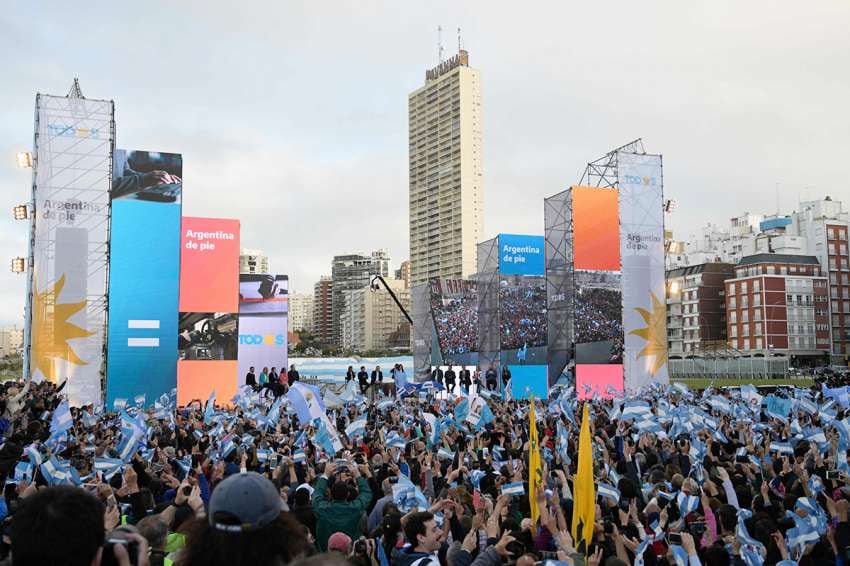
66, 301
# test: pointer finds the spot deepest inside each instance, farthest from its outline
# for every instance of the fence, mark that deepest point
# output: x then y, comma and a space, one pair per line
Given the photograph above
751, 368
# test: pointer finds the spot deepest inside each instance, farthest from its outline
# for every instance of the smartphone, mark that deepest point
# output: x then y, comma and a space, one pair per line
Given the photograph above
111, 501
108, 557
833, 474
697, 528
674, 538
393, 479
624, 504
187, 490
742, 459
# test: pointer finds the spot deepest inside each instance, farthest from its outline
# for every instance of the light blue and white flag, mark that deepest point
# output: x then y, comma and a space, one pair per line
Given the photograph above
209, 410
514, 488
108, 466
307, 402
24, 472
299, 456
62, 419
326, 436
445, 454
356, 428
687, 503
34, 454
609, 491
781, 447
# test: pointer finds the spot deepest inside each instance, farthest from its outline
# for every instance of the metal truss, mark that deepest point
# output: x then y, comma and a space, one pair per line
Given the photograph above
602, 172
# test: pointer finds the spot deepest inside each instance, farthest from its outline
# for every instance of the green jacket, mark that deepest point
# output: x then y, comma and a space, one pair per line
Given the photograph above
338, 516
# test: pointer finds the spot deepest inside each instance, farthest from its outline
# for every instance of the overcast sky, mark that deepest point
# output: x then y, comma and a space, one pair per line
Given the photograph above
292, 116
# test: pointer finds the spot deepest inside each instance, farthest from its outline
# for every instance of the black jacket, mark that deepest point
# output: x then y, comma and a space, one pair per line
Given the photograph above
465, 377
363, 377
250, 379
450, 376
293, 376
437, 375
273, 377
377, 376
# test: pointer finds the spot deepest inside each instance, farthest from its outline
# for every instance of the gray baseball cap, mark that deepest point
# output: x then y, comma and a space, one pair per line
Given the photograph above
244, 502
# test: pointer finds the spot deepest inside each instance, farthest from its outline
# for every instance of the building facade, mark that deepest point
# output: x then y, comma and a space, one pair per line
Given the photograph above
301, 312
372, 321
779, 304
403, 273
826, 227
351, 272
253, 261
323, 321
11, 341
696, 308
445, 173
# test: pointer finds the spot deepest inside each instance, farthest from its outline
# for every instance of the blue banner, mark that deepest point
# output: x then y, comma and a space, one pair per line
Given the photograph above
529, 380
144, 275
520, 254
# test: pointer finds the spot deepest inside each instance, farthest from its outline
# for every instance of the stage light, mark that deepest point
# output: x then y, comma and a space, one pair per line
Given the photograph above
21, 212
19, 265
669, 205
24, 159
674, 287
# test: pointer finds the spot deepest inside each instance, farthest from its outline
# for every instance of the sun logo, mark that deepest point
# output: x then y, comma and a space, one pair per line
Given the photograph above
51, 330
655, 334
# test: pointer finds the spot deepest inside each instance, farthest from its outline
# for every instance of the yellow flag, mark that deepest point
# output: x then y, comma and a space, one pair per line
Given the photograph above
535, 468
584, 493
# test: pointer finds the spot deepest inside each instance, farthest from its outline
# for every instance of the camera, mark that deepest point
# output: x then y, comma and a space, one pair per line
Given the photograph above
674, 538
360, 546
118, 537
697, 529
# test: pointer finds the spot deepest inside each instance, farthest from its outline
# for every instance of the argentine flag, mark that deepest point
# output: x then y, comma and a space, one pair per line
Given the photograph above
514, 488
307, 402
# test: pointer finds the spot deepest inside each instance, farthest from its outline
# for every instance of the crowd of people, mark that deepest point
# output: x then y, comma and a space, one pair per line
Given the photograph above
598, 315
522, 320
718, 477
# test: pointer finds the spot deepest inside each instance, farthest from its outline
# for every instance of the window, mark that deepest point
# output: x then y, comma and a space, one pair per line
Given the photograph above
731, 289
756, 286
793, 269
732, 303
783, 270
746, 330
745, 316
733, 331
745, 301
756, 300
757, 315
758, 344
733, 317
743, 287
771, 270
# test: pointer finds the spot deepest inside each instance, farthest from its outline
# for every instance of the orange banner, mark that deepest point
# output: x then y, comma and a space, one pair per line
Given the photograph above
209, 265
596, 229
196, 379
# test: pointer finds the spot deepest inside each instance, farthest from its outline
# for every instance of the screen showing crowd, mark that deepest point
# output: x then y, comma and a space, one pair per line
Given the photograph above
454, 306
522, 305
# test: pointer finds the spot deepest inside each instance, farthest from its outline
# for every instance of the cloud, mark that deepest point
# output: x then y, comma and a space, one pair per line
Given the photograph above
293, 117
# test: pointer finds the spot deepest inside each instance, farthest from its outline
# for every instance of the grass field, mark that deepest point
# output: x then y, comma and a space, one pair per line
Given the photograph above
702, 383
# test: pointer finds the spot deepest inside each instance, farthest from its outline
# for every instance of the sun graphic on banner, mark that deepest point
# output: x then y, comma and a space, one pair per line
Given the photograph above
52, 330
655, 334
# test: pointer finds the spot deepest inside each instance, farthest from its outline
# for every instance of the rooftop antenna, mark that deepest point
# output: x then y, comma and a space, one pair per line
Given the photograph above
439, 44
777, 199
459, 44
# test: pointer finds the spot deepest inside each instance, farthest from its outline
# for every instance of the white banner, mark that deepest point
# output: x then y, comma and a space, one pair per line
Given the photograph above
69, 254
262, 343
642, 258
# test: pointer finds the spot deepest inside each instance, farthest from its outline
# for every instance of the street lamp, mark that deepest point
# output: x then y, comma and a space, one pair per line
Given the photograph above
19, 265
24, 159
20, 212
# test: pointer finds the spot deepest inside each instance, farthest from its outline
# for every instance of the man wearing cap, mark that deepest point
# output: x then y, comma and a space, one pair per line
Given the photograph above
339, 514
245, 525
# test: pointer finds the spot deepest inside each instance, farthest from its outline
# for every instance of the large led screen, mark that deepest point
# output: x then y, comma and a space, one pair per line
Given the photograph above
262, 343
454, 306
66, 325
521, 254
263, 293
209, 265
144, 274
522, 319
596, 235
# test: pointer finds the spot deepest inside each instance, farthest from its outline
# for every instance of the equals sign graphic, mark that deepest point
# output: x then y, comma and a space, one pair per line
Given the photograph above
143, 325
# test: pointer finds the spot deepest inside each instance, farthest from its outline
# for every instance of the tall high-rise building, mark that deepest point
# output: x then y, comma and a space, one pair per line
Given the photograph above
301, 312
253, 261
446, 189
350, 272
323, 310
